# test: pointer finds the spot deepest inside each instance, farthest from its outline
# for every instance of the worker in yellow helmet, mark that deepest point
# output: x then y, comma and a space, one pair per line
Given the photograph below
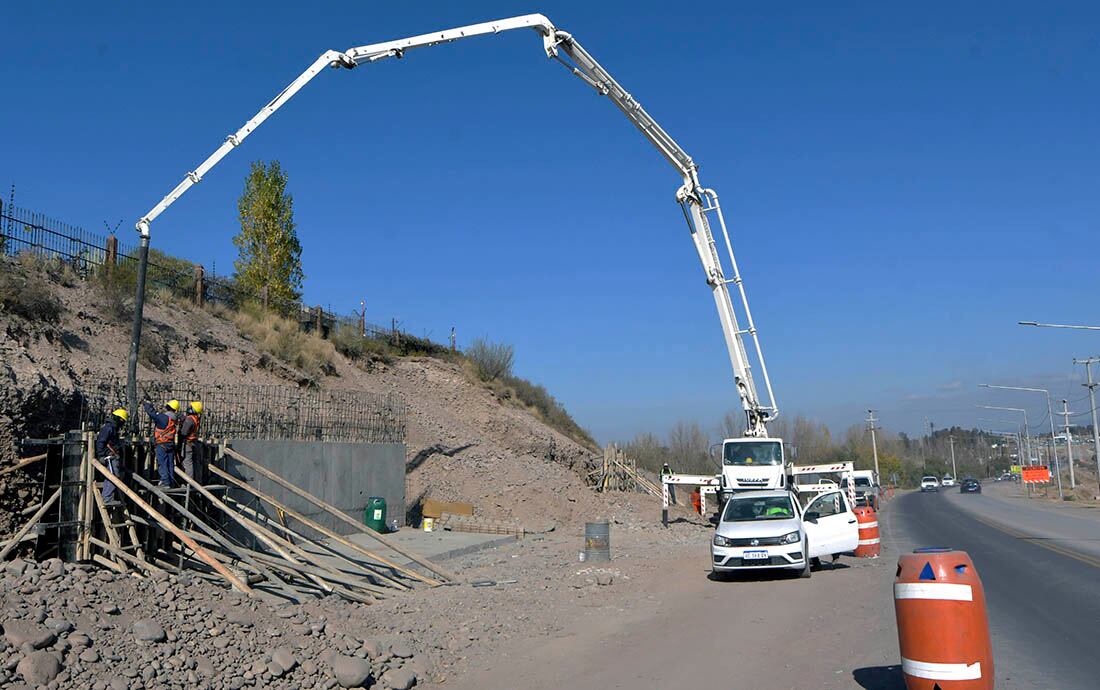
108, 450
164, 438
189, 434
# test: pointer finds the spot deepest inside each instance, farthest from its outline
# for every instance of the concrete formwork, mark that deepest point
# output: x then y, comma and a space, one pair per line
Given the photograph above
342, 474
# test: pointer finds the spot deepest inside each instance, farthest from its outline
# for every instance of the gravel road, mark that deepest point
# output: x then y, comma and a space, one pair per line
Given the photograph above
672, 624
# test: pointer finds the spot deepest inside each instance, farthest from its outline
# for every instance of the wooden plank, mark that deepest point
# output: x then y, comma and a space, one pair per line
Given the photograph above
18, 536
112, 534
358, 568
220, 540
324, 530
122, 555
82, 515
341, 515
23, 463
164, 522
243, 522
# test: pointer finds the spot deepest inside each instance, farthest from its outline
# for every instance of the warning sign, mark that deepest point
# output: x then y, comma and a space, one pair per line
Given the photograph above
1036, 474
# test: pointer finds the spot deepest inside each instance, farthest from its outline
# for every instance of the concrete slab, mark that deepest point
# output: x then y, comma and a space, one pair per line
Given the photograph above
435, 546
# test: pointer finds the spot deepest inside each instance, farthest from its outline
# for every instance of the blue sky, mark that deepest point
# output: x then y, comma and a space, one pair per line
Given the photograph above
903, 183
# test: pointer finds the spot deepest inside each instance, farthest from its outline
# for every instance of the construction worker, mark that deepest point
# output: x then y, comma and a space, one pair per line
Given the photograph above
164, 438
108, 450
189, 433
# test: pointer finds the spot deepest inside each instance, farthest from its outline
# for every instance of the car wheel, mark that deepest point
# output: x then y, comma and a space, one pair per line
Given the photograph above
805, 572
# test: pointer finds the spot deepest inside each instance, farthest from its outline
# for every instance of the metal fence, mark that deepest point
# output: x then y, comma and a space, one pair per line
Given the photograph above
244, 411
87, 253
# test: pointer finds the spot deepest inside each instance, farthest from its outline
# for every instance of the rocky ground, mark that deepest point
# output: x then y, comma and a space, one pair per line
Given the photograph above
68, 625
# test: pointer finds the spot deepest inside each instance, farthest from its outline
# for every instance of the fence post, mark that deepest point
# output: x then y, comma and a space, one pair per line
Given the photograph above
263, 296
363, 319
319, 321
200, 285
111, 260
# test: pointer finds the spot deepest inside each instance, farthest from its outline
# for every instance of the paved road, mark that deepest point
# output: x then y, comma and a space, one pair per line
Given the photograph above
1042, 592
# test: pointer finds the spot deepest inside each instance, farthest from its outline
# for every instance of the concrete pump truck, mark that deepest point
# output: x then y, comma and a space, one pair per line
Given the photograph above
754, 461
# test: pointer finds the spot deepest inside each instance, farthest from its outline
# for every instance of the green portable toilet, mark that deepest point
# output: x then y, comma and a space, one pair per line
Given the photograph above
374, 515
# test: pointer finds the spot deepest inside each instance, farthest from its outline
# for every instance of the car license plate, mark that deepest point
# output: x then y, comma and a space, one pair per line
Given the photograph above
756, 555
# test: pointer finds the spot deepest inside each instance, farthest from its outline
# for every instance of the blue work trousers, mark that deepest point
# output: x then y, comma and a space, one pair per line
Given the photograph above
113, 463
166, 463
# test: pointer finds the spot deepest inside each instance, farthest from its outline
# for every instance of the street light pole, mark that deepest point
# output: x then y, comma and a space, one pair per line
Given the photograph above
954, 470
874, 446
1092, 403
1069, 441
1058, 325
1050, 417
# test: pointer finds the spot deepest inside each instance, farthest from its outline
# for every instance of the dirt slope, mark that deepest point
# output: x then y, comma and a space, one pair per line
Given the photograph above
464, 443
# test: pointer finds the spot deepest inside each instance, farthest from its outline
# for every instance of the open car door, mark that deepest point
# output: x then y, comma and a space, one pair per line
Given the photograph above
830, 525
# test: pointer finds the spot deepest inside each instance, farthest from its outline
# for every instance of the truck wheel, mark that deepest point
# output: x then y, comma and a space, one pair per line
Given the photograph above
805, 572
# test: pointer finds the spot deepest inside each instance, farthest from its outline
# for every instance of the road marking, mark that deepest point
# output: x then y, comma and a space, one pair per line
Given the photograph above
945, 591
934, 671
1031, 539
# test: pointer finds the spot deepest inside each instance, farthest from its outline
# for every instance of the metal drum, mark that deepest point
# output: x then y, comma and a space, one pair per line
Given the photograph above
597, 541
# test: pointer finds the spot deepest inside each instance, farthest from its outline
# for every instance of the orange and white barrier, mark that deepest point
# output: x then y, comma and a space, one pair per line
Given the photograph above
943, 631
869, 545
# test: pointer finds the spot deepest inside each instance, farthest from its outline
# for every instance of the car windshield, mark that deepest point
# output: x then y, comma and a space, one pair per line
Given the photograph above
749, 508
929, 479
753, 453
860, 481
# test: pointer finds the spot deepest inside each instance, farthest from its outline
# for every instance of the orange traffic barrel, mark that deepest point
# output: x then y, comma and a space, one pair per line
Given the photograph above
869, 544
943, 631
697, 501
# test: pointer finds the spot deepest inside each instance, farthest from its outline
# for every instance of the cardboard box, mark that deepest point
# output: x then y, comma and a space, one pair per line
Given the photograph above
435, 509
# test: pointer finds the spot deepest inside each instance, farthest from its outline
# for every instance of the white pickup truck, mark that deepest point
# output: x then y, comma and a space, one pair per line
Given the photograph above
770, 529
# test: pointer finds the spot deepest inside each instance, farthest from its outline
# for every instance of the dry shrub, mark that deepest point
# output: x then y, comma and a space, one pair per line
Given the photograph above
492, 360
282, 339
25, 290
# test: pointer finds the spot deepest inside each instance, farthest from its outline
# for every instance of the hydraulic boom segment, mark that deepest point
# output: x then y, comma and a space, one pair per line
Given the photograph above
700, 205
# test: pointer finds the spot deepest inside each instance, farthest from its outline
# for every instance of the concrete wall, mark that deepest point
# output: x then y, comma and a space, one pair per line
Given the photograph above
343, 474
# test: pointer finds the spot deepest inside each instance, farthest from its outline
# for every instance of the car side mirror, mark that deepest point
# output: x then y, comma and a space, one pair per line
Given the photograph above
714, 520
812, 516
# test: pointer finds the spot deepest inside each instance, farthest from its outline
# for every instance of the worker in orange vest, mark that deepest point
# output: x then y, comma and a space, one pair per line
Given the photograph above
189, 433
164, 438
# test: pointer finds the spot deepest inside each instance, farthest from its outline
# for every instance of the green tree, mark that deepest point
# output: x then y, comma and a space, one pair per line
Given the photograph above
269, 253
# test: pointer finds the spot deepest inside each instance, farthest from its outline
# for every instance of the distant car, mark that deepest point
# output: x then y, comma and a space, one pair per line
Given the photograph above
769, 529
865, 488
929, 483
970, 486
948, 480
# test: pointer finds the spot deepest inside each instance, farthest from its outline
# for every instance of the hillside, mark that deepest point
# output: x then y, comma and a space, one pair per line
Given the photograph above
466, 440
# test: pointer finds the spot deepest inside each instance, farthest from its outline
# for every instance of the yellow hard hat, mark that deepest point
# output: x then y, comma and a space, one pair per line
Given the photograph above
121, 414
197, 407
173, 405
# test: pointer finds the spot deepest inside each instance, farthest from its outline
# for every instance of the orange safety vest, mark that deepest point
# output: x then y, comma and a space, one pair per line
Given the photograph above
167, 434
194, 435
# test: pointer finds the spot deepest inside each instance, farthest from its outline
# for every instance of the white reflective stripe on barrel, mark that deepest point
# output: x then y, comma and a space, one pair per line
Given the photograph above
933, 590
865, 542
934, 671
868, 525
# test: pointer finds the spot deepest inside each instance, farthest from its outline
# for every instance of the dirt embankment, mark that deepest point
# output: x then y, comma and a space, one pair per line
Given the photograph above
464, 442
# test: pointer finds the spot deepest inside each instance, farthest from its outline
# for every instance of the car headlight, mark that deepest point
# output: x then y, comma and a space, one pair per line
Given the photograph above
719, 540
791, 538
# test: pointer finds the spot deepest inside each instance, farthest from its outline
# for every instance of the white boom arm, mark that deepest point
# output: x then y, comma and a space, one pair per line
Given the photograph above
696, 201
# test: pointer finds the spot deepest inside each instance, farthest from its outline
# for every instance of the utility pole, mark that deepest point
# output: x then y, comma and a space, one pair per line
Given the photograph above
1092, 402
874, 446
1069, 443
954, 470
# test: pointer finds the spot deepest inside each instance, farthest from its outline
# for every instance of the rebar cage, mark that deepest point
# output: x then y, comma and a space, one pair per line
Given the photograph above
266, 412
